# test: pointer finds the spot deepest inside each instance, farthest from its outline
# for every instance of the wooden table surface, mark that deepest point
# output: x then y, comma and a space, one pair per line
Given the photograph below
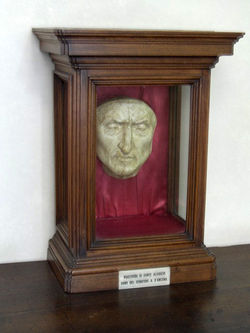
31, 300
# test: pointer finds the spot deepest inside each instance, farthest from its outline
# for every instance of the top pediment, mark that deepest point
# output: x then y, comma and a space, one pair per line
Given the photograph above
100, 42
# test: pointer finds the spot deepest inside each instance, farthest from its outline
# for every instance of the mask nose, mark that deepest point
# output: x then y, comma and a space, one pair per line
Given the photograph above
125, 144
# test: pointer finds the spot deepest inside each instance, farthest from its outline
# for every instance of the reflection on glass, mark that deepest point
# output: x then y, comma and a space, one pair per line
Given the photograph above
184, 144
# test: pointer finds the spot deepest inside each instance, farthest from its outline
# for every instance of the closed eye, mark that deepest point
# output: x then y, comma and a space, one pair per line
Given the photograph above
141, 126
113, 125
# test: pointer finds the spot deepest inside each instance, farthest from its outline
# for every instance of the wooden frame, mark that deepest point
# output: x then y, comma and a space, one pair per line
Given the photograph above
85, 59
174, 148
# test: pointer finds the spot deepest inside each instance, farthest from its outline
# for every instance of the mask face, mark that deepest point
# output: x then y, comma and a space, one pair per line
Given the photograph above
125, 129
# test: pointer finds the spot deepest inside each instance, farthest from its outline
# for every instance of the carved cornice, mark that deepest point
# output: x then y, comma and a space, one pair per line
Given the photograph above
94, 42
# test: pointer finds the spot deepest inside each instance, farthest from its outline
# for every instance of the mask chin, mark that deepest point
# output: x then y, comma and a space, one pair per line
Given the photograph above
121, 174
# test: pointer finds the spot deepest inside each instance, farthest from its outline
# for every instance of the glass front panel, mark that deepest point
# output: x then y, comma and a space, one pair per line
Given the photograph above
184, 144
141, 168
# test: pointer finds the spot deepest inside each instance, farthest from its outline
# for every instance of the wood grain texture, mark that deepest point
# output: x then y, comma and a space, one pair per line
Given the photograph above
85, 59
31, 300
94, 42
174, 148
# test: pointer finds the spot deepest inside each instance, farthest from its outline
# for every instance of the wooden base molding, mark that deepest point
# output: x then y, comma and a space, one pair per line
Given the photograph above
101, 273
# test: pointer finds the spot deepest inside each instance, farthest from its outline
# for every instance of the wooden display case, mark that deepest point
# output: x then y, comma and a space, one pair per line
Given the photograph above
90, 61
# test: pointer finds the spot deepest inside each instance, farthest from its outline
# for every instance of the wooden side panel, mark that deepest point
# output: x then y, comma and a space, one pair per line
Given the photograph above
174, 148
71, 130
198, 157
60, 120
78, 143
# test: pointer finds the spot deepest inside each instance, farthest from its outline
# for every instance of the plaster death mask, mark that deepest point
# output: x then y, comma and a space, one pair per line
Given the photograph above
125, 129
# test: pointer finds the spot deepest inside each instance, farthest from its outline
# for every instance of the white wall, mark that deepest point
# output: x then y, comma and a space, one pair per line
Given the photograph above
26, 121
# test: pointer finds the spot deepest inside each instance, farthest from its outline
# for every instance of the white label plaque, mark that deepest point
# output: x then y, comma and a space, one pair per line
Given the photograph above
141, 278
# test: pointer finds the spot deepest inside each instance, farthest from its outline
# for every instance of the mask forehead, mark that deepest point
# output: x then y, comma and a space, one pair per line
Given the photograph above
124, 110
139, 113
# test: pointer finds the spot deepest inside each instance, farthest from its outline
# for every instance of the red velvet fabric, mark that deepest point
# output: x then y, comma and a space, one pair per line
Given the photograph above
139, 225
146, 194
